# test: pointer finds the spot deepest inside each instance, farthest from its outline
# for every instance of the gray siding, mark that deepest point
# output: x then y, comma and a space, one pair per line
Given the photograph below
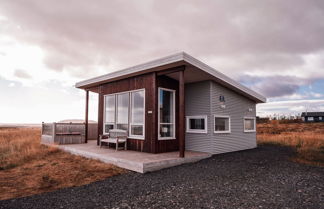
197, 102
203, 99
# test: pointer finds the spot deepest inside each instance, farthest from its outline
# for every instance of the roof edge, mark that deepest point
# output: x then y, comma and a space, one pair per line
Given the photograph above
181, 56
199, 64
147, 65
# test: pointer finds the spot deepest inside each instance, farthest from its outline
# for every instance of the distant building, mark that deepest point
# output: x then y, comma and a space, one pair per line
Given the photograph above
313, 116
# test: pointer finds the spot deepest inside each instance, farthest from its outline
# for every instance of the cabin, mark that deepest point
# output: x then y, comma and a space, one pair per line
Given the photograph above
175, 103
312, 116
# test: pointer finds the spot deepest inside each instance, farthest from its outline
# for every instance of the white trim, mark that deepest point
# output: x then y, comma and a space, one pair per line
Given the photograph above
174, 113
129, 110
175, 59
249, 131
188, 130
229, 124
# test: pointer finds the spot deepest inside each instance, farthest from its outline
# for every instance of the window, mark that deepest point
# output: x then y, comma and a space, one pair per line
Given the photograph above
310, 118
122, 111
222, 124
109, 113
137, 114
249, 124
320, 118
166, 113
197, 124
125, 111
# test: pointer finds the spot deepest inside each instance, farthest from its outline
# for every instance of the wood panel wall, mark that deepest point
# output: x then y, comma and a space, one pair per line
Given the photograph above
146, 81
172, 144
150, 82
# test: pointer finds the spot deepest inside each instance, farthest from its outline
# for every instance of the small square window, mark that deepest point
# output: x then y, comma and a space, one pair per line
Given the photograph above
310, 118
197, 124
222, 124
249, 124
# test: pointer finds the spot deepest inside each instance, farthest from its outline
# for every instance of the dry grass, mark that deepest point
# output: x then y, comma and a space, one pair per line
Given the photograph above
27, 167
306, 138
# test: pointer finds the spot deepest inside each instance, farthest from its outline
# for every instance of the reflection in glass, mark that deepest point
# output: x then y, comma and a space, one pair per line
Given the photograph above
137, 114
197, 123
122, 108
110, 109
221, 124
249, 124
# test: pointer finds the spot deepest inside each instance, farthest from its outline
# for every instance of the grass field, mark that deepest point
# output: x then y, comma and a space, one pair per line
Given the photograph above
27, 167
306, 138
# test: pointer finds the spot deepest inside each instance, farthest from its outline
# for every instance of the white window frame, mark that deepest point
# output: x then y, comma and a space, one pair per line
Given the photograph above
136, 124
229, 124
188, 118
310, 118
174, 114
129, 115
249, 131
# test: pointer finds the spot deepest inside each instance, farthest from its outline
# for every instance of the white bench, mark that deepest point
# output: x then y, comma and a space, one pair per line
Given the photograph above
115, 136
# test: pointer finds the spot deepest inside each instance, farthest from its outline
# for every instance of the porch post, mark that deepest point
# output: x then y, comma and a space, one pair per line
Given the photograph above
86, 116
181, 114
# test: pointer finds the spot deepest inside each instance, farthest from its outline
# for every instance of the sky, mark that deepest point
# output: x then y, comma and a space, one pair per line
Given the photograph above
274, 47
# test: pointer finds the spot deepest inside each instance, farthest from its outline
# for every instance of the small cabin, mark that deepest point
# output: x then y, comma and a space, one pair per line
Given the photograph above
175, 103
313, 116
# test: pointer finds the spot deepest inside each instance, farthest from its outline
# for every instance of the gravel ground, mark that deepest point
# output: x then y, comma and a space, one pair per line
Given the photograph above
258, 178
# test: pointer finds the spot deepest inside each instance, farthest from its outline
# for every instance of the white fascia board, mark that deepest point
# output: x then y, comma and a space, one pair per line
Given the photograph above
152, 64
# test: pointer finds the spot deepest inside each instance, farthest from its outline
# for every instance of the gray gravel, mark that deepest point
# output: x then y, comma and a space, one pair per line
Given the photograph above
258, 178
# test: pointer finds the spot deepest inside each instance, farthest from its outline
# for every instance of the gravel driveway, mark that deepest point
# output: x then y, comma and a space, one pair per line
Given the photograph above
258, 178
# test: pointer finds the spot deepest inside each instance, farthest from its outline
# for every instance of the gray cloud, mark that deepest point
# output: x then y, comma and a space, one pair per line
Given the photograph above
274, 86
22, 74
271, 36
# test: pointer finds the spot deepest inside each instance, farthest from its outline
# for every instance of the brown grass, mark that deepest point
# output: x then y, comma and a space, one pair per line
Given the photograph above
27, 167
306, 138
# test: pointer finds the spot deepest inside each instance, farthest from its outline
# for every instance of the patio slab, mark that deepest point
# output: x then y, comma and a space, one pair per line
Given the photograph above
132, 160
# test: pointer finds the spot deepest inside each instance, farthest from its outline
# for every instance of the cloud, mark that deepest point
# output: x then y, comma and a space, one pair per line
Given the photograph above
274, 86
290, 107
22, 74
275, 47
258, 36
11, 85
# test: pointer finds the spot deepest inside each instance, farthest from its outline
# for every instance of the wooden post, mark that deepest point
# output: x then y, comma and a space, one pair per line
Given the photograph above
54, 132
100, 114
42, 131
181, 114
86, 116
154, 114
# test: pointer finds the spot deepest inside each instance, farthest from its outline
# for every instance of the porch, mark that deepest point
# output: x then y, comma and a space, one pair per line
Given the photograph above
133, 160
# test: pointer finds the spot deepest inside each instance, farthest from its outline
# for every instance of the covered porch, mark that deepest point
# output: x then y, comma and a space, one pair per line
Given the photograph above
149, 106
133, 160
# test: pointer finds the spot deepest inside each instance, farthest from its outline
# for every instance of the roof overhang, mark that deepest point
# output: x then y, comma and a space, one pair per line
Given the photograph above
197, 71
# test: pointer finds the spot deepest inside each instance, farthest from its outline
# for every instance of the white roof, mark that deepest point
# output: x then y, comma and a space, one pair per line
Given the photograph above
173, 61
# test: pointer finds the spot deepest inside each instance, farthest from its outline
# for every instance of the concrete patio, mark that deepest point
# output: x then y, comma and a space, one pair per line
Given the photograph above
132, 160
